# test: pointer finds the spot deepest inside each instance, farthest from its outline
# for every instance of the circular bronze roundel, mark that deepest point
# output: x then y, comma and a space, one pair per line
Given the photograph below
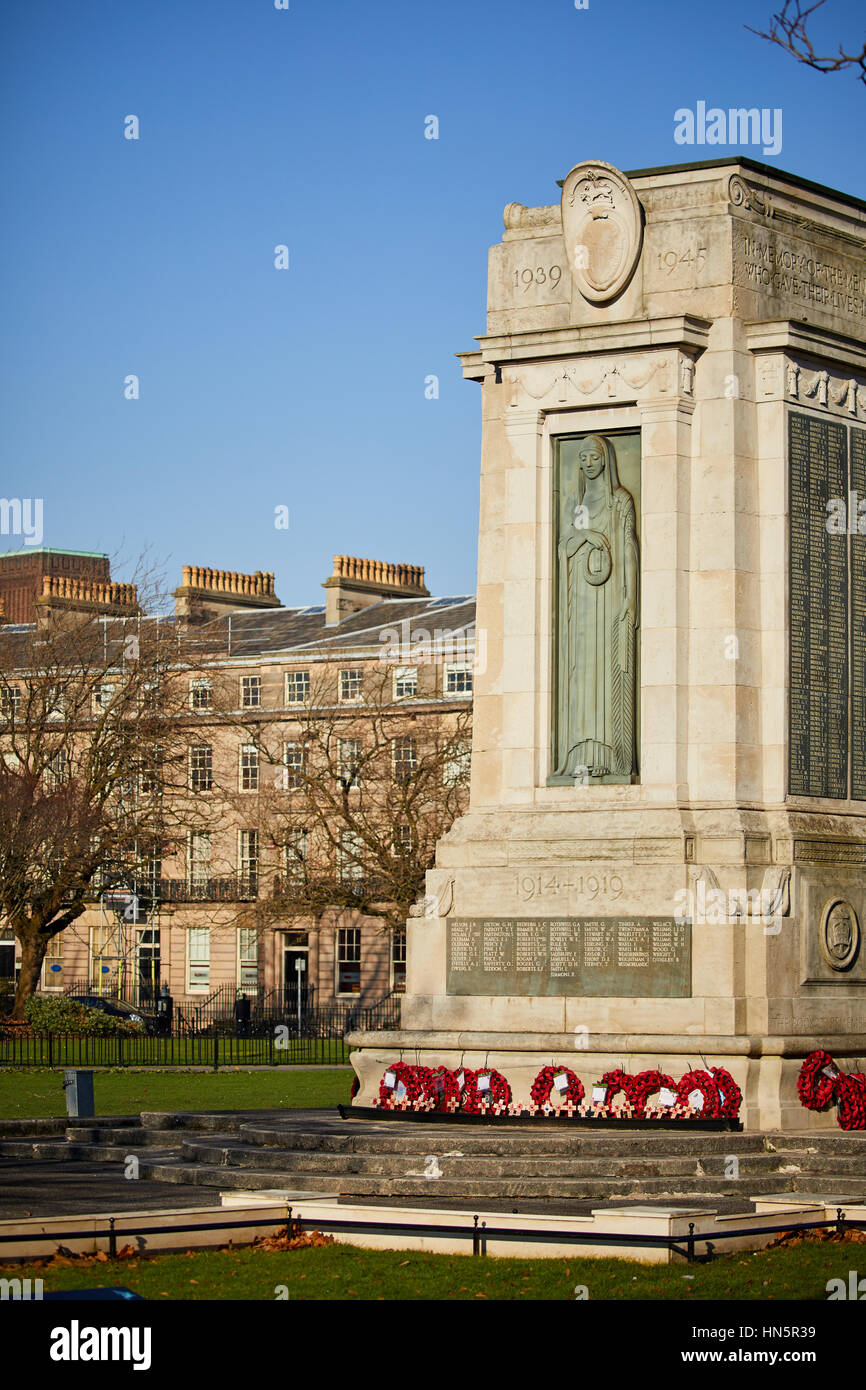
603, 229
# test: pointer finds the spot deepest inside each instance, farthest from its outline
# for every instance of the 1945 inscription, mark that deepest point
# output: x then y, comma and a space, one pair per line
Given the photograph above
597, 957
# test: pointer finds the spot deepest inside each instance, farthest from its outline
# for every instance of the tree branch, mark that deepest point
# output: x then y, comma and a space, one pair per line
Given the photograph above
788, 31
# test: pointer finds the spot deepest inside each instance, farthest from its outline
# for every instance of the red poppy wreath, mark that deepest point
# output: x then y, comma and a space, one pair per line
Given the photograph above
562, 1080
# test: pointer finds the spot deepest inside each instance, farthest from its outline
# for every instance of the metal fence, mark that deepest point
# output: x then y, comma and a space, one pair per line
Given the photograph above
274, 1049
478, 1233
269, 1009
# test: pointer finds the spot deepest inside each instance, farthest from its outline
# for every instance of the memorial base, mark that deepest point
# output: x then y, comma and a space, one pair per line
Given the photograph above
765, 1070
593, 1122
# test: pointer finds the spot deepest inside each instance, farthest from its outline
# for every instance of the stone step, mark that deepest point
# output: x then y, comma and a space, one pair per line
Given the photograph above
830, 1182
17, 1148
201, 1175
415, 1138
822, 1163
119, 1153
364, 1185
33, 1128
130, 1138
215, 1120
839, 1142
226, 1152
42, 1150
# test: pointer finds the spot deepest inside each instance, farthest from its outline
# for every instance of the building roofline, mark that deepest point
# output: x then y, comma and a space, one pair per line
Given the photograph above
51, 550
771, 170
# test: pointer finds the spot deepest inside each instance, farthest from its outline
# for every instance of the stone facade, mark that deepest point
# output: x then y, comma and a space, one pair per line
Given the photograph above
28, 575
699, 305
246, 646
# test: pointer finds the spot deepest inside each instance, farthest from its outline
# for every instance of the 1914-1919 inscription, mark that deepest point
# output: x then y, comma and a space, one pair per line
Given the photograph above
626, 957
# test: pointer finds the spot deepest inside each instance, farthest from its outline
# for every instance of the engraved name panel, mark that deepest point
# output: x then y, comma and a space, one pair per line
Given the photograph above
818, 710
858, 622
596, 957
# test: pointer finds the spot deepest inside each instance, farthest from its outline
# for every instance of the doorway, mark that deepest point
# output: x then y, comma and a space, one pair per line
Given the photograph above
294, 952
147, 950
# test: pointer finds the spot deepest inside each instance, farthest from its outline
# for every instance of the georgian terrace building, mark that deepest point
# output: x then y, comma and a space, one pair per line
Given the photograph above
255, 664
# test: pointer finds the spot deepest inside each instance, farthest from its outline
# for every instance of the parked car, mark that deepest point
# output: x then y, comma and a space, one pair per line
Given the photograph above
116, 1008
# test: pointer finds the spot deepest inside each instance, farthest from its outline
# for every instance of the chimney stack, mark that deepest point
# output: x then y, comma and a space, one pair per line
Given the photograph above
207, 593
357, 583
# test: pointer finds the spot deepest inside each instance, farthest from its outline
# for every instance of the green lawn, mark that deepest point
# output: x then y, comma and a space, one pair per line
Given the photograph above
346, 1272
33, 1092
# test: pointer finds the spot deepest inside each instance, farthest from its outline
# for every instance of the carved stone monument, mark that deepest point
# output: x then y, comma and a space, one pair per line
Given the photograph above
596, 620
664, 858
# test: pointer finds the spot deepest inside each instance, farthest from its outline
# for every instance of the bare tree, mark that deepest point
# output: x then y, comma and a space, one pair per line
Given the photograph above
353, 798
788, 29
92, 757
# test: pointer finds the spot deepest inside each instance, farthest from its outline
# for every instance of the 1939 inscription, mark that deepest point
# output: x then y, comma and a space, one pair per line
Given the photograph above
537, 275
597, 957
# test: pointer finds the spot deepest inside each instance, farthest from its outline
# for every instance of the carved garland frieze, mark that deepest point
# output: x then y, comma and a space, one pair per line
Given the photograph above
607, 378
830, 390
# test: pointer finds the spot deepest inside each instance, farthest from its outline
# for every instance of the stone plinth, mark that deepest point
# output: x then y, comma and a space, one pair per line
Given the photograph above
708, 321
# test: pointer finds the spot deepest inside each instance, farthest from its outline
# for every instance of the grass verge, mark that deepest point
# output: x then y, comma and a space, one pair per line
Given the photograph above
344, 1272
33, 1092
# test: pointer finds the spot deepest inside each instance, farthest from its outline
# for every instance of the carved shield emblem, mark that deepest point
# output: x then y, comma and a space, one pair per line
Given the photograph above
840, 935
603, 229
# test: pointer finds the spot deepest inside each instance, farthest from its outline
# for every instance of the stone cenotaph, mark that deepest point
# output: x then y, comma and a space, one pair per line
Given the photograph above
663, 862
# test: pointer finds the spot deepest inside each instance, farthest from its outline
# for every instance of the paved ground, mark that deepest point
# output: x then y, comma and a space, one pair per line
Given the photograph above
72, 1189
44, 1187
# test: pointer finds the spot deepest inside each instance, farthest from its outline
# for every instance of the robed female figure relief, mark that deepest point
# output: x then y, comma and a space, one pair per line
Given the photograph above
598, 617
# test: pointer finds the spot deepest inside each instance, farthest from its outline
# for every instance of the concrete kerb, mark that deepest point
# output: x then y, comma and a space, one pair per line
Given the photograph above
273, 1208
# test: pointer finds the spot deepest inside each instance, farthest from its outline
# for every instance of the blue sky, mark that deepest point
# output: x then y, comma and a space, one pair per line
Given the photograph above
304, 388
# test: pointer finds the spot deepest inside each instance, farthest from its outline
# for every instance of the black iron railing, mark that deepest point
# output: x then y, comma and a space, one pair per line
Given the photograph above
280, 1008
214, 1034
478, 1233
231, 888
274, 1049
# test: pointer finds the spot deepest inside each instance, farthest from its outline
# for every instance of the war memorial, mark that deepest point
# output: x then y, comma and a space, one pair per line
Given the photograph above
663, 864
660, 875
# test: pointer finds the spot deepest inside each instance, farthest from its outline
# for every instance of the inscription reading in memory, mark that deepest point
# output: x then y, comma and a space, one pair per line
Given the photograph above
626, 957
787, 270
